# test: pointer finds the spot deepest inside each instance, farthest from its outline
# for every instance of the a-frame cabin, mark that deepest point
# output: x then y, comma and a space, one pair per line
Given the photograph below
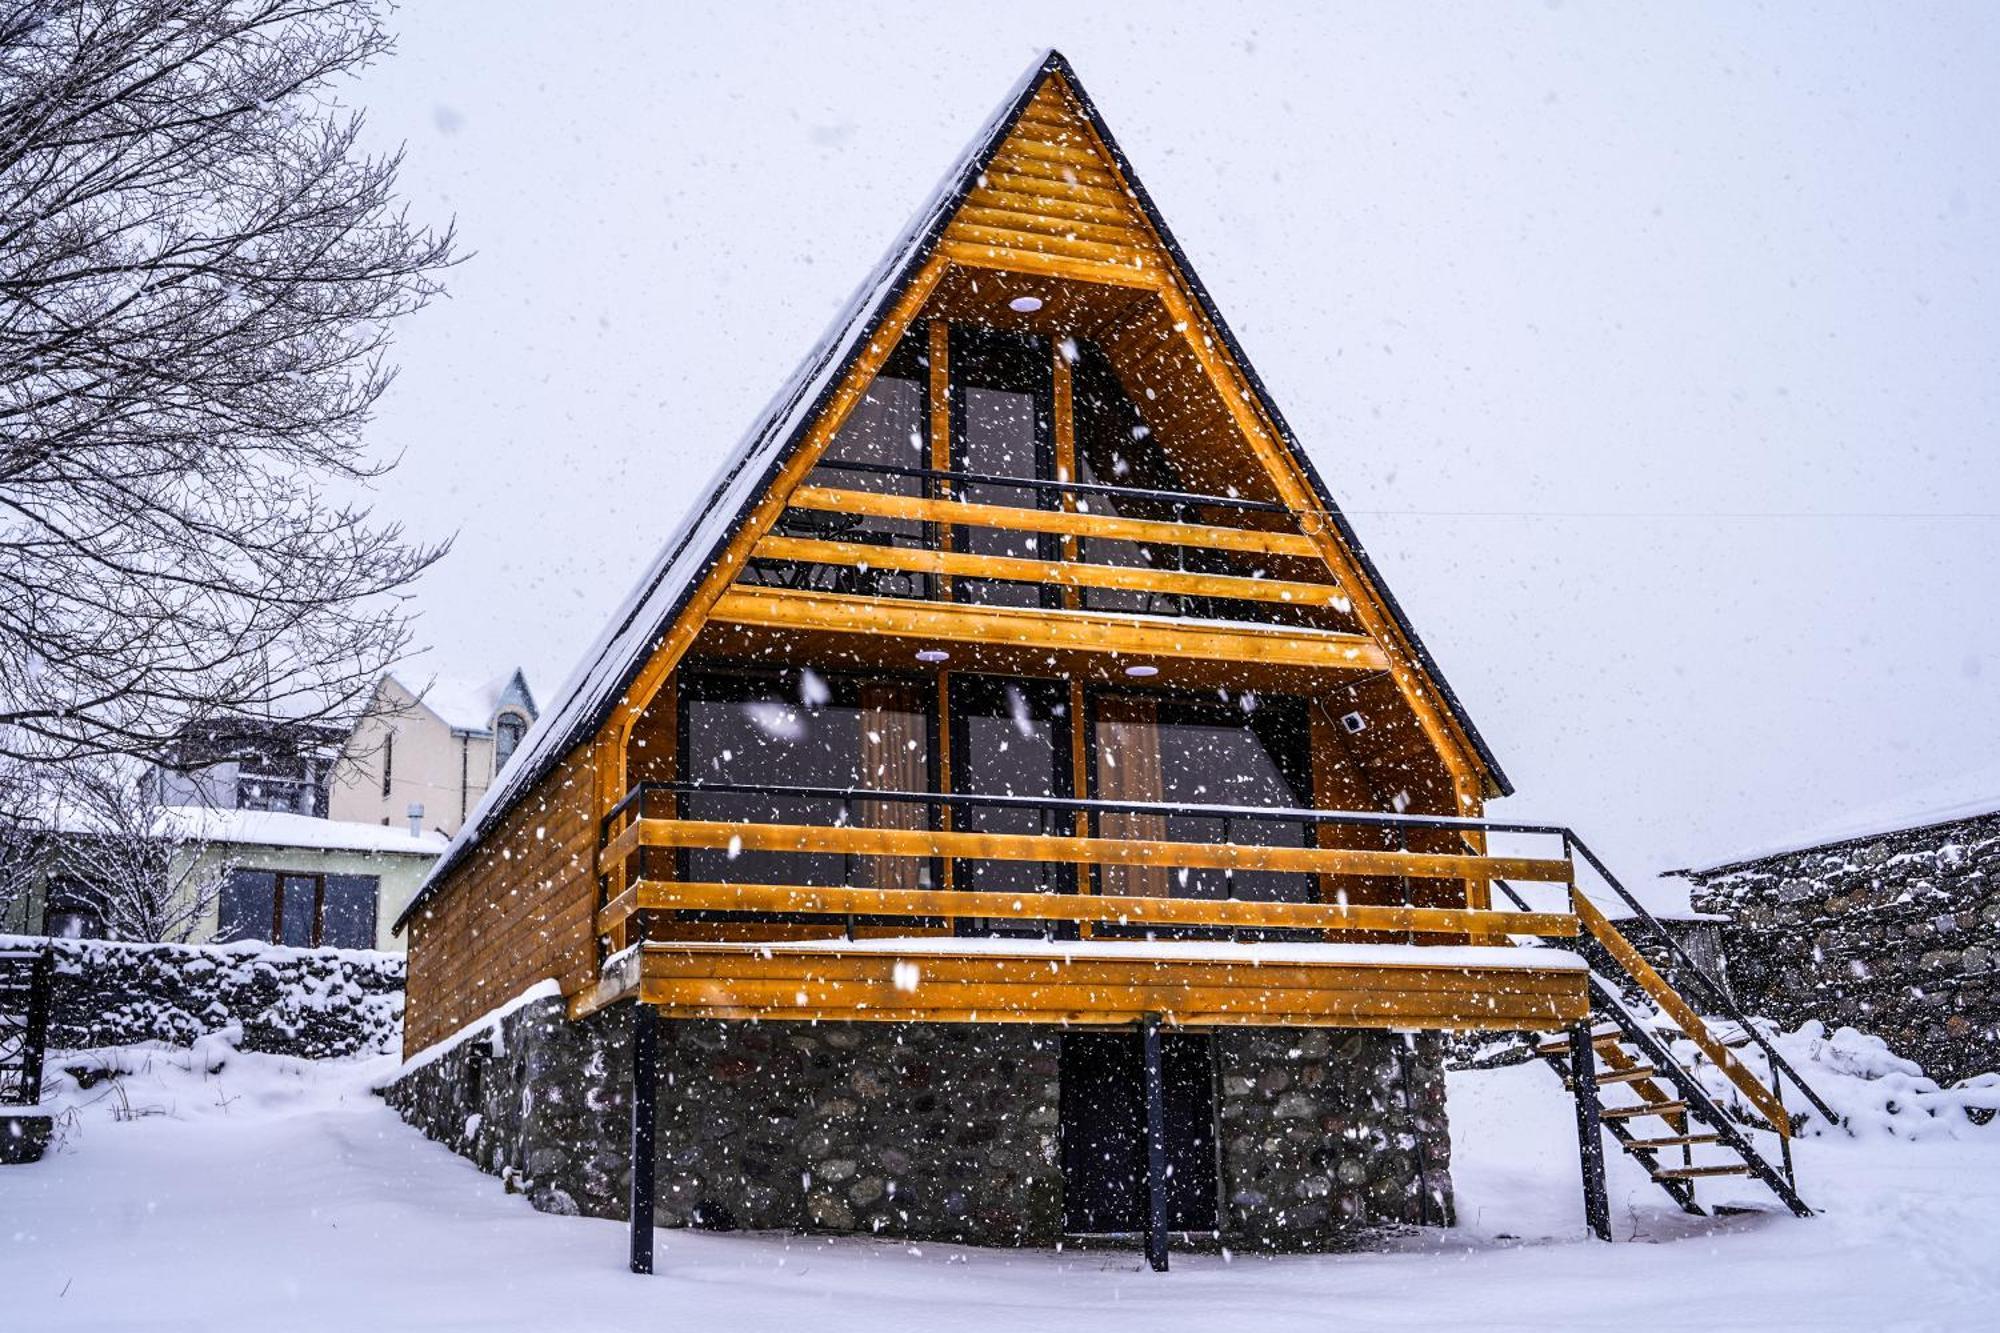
1006, 777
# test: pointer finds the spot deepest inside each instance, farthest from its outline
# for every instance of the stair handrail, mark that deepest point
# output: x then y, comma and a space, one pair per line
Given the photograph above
1781, 1068
1628, 957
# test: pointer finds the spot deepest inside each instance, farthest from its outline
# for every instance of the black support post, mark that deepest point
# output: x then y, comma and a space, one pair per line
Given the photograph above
1156, 1149
1589, 1133
645, 1075
35, 1039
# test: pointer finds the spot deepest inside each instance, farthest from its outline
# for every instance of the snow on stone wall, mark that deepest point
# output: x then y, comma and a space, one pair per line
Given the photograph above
1897, 935
308, 1002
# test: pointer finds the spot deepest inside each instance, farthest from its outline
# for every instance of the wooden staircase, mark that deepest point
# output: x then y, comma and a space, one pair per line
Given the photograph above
1629, 1087
1657, 1111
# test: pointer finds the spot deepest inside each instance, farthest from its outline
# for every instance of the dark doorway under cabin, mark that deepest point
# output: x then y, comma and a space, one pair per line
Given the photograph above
1103, 1108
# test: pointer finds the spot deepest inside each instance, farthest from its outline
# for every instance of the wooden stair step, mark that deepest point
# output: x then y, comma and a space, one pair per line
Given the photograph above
1701, 1172
1643, 1108
1670, 1141
1609, 1036
1636, 1074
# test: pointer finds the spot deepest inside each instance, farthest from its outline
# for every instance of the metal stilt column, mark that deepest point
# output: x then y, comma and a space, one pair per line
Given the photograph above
1589, 1133
1156, 1149
645, 1090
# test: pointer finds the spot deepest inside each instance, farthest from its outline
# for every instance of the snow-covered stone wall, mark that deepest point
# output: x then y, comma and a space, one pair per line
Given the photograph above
1898, 935
921, 1131
308, 1002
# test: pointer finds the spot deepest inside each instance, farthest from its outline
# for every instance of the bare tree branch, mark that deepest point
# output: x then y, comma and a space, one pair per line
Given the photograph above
199, 271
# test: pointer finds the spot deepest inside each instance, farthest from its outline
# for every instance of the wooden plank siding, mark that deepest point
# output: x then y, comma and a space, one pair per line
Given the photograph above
522, 909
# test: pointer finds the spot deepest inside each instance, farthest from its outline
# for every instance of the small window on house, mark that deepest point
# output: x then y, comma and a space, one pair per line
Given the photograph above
507, 734
73, 912
304, 910
388, 761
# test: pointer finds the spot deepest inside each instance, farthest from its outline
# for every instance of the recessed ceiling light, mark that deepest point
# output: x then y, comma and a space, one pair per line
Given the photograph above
1026, 305
1141, 670
933, 655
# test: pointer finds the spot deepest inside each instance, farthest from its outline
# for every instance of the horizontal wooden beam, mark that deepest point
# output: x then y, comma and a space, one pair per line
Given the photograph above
1106, 908
1098, 632
1068, 523
1056, 573
970, 254
829, 984
957, 845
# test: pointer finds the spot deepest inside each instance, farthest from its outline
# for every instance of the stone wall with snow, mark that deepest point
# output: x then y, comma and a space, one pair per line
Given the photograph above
1896, 934
921, 1131
309, 1002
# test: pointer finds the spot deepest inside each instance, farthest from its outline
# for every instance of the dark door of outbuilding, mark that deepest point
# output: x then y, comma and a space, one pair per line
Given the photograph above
1104, 1132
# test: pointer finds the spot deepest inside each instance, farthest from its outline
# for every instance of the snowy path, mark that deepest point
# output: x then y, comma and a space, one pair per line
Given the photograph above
304, 1204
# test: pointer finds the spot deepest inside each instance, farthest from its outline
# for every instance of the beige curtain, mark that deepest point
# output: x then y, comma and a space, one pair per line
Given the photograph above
893, 758
1128, 769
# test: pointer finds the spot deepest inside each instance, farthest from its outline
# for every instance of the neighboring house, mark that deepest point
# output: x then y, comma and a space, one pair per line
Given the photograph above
1022, 800
285, 878
1888, 921
243, 763
426, 749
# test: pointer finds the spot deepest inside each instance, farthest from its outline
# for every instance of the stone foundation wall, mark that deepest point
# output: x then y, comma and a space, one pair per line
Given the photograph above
1328, 1133
924, 1131
316, 1003
1897, 935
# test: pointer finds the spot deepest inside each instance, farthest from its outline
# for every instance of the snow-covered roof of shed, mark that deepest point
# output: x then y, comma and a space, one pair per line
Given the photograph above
655, 602
1962, 796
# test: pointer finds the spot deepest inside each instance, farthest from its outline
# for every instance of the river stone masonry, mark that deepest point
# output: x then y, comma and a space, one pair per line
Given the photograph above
921, 1131
1896, 934
316, 1003
1329, 1134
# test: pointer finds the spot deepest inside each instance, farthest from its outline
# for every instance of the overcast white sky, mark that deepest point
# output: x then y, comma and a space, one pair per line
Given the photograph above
1652, 351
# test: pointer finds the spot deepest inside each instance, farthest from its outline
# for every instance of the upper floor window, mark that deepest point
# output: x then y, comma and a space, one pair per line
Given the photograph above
507, 733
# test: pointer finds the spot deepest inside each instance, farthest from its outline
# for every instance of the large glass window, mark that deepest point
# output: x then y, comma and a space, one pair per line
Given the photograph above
1245, 752
885, 439
745, 734
303, 909
1002, 395
1010, 738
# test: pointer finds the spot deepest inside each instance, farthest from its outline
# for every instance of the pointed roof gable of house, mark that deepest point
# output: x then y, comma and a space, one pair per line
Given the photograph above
964, 200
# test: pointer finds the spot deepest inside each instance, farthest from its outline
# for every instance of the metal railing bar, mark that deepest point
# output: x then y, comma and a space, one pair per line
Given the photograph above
1069, 487
1280, 814
1781, 1068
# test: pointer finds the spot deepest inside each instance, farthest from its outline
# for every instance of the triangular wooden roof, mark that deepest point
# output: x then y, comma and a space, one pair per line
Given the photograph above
608, 669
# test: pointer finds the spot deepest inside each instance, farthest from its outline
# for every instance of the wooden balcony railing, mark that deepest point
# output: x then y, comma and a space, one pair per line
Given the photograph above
635, 826
1178, 562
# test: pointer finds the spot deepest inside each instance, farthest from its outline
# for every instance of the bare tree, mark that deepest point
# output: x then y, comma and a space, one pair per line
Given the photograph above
199, 269
142, 866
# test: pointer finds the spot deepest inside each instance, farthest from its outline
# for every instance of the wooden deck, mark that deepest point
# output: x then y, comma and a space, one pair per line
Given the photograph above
1193, 984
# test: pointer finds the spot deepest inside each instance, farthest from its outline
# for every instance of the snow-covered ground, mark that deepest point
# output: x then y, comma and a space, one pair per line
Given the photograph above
281, 1194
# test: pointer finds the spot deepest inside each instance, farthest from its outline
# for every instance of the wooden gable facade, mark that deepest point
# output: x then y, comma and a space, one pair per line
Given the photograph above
1018, 669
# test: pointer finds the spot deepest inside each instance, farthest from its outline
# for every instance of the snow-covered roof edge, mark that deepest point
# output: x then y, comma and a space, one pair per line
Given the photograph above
658, 599
1859, 830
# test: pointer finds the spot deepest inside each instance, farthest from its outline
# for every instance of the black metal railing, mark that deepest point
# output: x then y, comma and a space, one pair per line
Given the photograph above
1713, 996
26, 980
